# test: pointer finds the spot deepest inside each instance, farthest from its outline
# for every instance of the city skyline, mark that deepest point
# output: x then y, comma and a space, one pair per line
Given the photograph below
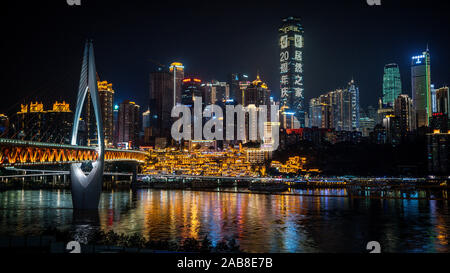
367, 72
226, 127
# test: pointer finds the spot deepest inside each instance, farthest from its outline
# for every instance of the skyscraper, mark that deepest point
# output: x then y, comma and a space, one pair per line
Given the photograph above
392, 84
106, 95
177, 71
438, 144
440, 119
421, 87
191, 88
30, 121
342, 109
257, 93
404, 111
433, 99
128, 124
161, 102
443, 101
333, 111
354, 91
319, 112
291, 71
238, 82
146, 127
216, 92
116, 124
58, 123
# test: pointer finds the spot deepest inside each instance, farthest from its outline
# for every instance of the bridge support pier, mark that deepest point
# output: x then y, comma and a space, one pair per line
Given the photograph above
86, 189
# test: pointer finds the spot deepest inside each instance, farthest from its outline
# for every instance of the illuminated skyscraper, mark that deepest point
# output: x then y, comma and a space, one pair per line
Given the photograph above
337, 110
116, 124
30, 121
36, 124
421, 87
106, 95
433, 99
58, 123
128, 125
191, 88
257, 93
177, 71
392, 84
443, 101
404, 111
238, 82
354, 92
291, 72
216, 92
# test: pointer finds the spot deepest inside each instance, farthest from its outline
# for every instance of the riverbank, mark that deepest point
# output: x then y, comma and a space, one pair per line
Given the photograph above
56, 241
353, 187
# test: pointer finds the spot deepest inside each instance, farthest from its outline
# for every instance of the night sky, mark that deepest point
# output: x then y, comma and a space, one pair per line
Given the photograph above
43, 43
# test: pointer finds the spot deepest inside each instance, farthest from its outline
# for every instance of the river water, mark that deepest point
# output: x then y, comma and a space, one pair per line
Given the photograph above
320, 221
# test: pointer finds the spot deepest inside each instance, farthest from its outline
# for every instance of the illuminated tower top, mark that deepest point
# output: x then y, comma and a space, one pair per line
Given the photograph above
178, 66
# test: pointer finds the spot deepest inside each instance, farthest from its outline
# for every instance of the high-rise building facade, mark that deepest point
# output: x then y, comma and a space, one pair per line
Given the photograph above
421, 87
440, 120
177, 71
161, 102
192, 87
36, 124
128, 125
404, 111
433, 99
342, 110
443, 101
291, 71
58, 123
354, 91
146, 127
337, 110
438, 144
216, 92
238, 82
30, 121
366, 126
392, 84
106, 96
257, 93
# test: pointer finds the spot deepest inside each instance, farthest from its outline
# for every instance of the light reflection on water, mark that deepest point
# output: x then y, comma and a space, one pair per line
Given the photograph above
259, 222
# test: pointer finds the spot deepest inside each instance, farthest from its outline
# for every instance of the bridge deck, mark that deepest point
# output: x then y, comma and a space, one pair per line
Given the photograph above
19, 152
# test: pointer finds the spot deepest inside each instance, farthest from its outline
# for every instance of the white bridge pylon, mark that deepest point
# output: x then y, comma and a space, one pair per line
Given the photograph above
86, 189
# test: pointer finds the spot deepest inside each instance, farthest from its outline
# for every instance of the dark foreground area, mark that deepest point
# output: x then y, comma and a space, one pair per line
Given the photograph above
53, 240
